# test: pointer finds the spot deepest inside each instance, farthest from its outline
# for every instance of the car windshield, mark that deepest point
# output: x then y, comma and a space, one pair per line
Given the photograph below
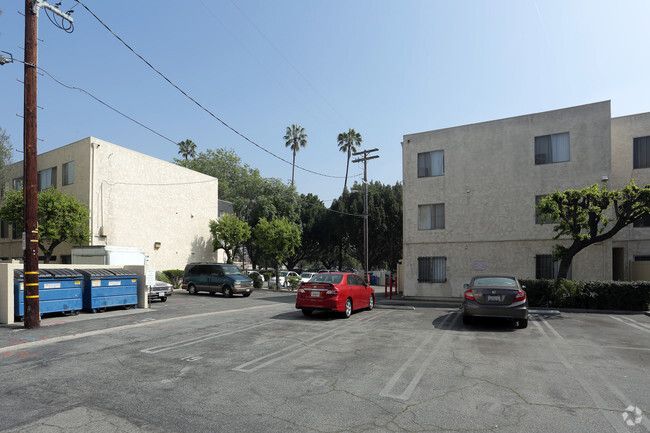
231, 270
307, 275
494, 281
327, 278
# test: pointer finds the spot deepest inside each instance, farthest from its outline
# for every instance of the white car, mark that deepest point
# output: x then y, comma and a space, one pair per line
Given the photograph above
283, 278
306, 276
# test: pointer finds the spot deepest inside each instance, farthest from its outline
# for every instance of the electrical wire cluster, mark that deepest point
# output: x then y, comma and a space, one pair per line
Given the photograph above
60, 22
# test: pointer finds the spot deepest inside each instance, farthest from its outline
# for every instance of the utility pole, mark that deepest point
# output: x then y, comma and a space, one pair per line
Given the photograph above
365, 160
30, 173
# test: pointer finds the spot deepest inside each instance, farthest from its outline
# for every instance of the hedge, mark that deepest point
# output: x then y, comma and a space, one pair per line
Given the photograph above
596, 295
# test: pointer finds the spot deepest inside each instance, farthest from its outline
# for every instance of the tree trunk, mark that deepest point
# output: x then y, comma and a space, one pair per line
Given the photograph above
347, 167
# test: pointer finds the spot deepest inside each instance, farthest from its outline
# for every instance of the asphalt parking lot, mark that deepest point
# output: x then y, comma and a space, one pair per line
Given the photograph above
206, 363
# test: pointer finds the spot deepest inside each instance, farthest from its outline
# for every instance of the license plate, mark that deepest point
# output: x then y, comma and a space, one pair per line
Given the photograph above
315, 294
491, 298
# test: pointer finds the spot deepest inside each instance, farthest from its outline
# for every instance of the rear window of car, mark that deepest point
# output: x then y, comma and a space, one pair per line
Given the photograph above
494, 281
327, 278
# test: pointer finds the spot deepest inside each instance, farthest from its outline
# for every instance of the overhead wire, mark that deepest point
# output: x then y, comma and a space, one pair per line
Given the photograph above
199, 104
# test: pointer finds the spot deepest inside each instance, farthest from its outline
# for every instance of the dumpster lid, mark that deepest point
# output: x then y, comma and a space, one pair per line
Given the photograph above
64, 273
95, 273
123, 272
20, 273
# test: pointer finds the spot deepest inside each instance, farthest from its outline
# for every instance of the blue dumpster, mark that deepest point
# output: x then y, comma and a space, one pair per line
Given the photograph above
105, 288
59, 290
373, 280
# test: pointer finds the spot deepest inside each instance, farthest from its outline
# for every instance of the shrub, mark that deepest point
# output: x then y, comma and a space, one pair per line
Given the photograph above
174, 277
257, 280
600, 295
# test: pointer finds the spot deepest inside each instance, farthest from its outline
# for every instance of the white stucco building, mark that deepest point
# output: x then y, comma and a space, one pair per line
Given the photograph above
134, 200
470, 194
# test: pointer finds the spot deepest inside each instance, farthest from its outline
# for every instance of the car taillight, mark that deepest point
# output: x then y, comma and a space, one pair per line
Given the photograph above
521, 296
301, 290
332, 292
469, 295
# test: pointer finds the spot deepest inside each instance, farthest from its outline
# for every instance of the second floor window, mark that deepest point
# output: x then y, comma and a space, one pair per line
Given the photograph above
67, 174
641, 152
431, 163
552, 148
47, 178
431, 216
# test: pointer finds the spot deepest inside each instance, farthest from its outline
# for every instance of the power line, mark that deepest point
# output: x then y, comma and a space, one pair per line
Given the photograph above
199, 104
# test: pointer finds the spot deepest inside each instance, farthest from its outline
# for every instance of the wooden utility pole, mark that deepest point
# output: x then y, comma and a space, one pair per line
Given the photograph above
365, 160
30, 170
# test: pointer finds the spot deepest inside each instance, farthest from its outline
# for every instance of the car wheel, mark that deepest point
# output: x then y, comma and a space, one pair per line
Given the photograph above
467, 320
227, 291
371, 302
192, 289
163, 299
307, 312
246, 295
522, 323
348, 308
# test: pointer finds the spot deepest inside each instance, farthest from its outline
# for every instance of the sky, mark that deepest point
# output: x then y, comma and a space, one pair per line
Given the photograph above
383, 67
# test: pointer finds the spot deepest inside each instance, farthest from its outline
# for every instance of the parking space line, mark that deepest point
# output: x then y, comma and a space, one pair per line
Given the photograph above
408, 391
633, 323
201, 339
613, 419
302, 346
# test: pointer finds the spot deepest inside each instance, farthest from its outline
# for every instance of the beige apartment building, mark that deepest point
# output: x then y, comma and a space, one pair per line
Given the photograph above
134, 200
470, 194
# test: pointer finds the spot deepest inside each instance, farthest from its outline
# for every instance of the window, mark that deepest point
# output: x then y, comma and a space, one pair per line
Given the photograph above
641, 152
552, 148
16, 233
642, 222
431, 216
546, 268
46, 178
432, 269
4, 230
17, 183
67, 173
431, 163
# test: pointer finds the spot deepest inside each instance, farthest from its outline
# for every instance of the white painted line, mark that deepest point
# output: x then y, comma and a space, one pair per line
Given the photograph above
201, 339
302, 346
386, 392
633, 323
613, 419
53, 340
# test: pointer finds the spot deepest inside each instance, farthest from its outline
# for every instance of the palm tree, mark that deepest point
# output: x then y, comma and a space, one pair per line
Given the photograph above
296, 138
187, 148
348, 142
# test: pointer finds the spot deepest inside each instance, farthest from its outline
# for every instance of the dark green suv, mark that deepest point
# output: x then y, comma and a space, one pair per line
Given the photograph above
216, 278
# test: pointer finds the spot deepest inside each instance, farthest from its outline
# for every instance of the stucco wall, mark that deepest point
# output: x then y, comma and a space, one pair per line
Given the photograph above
489, 188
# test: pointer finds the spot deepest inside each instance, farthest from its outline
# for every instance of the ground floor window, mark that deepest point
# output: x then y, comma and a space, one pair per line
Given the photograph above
432, 269
546, 268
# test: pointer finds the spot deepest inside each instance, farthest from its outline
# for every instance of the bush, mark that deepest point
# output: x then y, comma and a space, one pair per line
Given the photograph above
174, 277
597, 295
257, 280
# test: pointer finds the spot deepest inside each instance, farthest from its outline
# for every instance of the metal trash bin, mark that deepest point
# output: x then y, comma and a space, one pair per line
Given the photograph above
105, 288
59, 290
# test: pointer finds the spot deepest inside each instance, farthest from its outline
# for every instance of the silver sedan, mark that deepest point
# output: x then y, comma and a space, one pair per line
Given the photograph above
495, 296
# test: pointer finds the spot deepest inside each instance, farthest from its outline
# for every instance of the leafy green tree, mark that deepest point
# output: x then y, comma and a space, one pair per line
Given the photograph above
228, 233
187, 148
295, 139
175, 277
348, 142
278, 239
313, 214
582, 215
61, 218
5, 156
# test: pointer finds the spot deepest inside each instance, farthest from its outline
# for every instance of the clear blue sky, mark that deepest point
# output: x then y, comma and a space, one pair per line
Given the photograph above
384, 68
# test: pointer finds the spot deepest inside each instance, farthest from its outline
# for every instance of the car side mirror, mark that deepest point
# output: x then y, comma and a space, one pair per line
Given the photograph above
465, 286
523, 287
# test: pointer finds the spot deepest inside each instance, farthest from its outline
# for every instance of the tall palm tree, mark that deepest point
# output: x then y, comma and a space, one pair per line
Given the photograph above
187, 148
348, 142
296, 138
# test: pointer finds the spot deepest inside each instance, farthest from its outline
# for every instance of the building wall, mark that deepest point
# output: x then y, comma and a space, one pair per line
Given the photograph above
136, 200
488, 188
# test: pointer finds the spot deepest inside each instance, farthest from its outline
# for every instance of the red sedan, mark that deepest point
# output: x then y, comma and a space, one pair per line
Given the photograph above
335, 291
